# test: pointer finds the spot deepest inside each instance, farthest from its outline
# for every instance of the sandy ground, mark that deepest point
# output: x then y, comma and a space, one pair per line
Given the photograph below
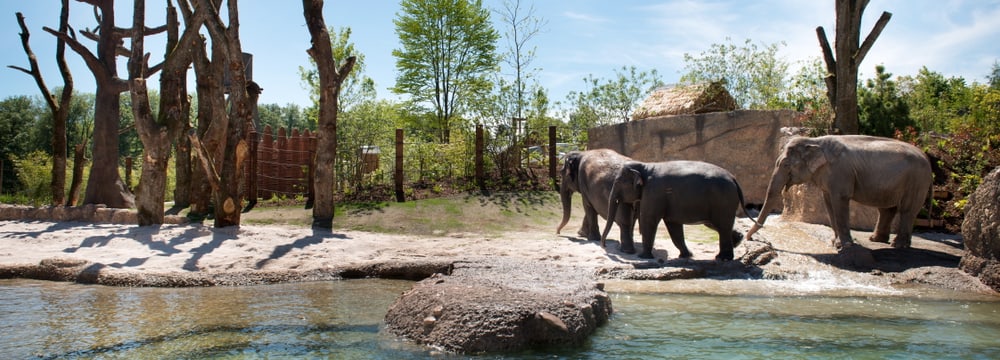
184, 250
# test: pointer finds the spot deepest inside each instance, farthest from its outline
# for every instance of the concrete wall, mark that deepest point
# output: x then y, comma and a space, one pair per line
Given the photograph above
745, 142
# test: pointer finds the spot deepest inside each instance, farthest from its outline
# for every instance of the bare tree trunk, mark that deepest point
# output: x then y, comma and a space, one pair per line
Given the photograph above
60, 109
330, 78
79, 162
842, 83
157, 134
234, 146
105, 185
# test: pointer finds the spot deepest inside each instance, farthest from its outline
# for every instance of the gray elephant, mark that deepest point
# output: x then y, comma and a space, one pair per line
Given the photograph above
678, 193
888, 174
591, 173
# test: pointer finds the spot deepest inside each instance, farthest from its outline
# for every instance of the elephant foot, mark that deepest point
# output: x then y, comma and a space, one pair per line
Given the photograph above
724, 257
879, 238
627, 249
687, 255
900, 243
842, 245
646, 255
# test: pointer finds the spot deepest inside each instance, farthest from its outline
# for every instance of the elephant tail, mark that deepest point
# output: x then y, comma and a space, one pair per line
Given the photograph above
743, 207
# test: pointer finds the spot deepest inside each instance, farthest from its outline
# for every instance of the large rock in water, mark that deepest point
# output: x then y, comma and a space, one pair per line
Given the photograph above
501, 304
981, 232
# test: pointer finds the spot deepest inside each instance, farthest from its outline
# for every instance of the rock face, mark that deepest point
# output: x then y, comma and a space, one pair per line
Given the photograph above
981, 232
745, 142
501, 305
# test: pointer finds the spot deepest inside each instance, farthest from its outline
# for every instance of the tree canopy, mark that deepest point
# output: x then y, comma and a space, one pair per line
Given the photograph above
448, 51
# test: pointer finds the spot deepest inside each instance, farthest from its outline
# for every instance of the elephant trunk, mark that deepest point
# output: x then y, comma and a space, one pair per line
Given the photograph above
566, 196
613, 201
779, 179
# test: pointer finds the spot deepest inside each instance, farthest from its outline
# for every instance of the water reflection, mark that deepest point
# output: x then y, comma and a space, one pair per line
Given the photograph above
344, 320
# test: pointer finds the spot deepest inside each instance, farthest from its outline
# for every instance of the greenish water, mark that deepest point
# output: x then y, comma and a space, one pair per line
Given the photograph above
343, 320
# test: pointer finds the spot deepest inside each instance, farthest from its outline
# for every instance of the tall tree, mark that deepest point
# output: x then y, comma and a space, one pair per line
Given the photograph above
105, 186
60, 108
754, 76
882, 110
520, 27
448, 51
842, 81
612, 100
330, 79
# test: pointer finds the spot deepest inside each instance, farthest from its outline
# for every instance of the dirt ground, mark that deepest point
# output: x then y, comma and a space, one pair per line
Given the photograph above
196, 254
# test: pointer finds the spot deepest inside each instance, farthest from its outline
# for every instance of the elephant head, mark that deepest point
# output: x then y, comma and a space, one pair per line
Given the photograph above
625, 191
568, 185
799, 160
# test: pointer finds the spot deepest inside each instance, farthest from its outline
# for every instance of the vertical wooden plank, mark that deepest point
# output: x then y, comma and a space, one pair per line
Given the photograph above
480, 145
398, 178
552, 156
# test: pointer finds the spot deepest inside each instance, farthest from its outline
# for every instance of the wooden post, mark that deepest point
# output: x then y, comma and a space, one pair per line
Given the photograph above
128, 172
480, 176
552, 155
1, 176
398, 178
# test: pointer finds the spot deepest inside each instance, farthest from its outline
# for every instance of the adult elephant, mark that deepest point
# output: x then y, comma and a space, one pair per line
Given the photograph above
888, 174
678, 193
591, 174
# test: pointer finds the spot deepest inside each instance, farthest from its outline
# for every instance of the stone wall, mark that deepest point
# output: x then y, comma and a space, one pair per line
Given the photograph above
745, 142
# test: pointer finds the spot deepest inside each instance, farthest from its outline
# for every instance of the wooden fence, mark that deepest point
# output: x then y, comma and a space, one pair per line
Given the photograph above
283, 164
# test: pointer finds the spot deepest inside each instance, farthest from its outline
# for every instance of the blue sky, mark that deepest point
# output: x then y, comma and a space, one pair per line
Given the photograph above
580, 38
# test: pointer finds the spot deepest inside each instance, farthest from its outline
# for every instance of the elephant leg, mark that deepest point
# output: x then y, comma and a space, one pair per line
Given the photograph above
647, 228
838, 207
881, 233
627, 244
590, 228
904, 234
676, 231
725, 229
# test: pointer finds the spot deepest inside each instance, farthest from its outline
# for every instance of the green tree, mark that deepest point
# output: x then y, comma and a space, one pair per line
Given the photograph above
936, 103
17, 115
807, 94
608, 101
881, 109
994, 78
448, 51
291, 116
754, 75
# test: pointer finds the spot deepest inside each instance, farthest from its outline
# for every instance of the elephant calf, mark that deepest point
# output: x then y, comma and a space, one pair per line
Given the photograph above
678, 193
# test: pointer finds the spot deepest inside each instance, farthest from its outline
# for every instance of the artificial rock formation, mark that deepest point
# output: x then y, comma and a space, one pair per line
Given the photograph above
981, 232
501, 305
745, 142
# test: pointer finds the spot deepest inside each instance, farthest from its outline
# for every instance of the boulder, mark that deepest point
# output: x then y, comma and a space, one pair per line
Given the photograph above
501, 305
981, 232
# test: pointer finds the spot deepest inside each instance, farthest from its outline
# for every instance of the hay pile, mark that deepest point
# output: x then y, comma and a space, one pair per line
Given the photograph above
685, 99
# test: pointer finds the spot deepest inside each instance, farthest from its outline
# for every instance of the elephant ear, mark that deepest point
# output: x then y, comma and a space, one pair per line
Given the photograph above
637, 179
572, 165
815, 157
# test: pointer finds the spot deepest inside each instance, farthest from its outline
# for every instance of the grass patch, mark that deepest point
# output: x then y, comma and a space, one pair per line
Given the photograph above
482, 214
